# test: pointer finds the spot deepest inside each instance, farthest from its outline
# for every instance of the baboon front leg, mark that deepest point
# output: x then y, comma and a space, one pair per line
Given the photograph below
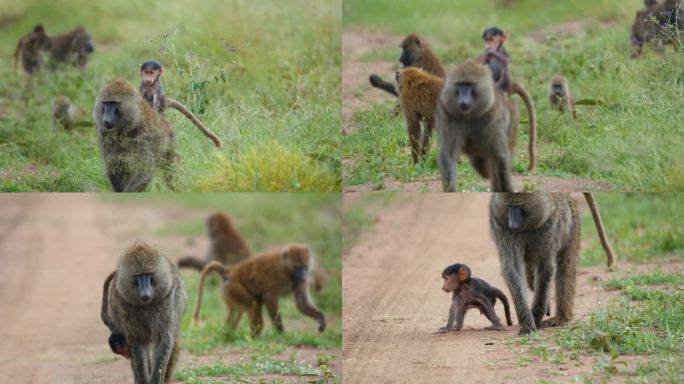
511, 261
274, 312
449, 149
305, 306
414, 133
162, 356
490, 313
461, 310
543, 278
256, 321
501, 175
566, 278
452, 317
172, 361
140, 362
427, 136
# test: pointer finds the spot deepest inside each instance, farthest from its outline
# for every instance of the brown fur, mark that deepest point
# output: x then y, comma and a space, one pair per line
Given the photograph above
486, 133
72, 47
541, 232
227, 246
151, 322
140, 141
29, 49
669, 17
66, 115
418, 93
263, 279
415, 52
560, 97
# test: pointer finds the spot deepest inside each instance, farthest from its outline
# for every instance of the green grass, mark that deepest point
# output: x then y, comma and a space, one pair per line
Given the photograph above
633, 141
265, 220
274, 99
639, 226
638, 336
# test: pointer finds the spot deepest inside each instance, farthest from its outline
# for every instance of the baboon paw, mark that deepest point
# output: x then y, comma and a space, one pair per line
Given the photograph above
445, 330
495, 328
554, 322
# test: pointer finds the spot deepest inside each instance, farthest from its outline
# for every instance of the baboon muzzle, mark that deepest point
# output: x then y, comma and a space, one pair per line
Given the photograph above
515, 217
144, 287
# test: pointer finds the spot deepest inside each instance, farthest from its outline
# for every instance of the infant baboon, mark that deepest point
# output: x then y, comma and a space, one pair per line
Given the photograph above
134, 139
66, 115
145, 306
418, 94
262, 280
539, 233
152, 90
415, 52
227, 246
29, 49
72, 47
475, 117
560, 97
471, 292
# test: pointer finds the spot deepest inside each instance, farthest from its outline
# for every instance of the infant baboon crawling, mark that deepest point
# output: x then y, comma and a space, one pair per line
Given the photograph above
471, 292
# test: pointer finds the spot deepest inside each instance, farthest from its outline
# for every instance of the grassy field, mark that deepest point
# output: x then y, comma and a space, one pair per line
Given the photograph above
263, 76
638, 336
632, 140
266, 221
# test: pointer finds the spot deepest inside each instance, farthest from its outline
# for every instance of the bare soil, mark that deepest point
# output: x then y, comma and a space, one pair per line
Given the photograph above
393, 301
357, 93
55, 252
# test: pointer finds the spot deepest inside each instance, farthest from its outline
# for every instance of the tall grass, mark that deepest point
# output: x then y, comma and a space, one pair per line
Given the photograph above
263, 75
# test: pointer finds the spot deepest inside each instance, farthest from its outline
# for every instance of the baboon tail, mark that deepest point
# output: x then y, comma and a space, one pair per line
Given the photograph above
104, 313
593, 207
169, 102
386, 86
502, 298
191, 262
214, 266
518, 89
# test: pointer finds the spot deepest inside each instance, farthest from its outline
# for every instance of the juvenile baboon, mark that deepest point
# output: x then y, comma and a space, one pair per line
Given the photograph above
29, 49
418, 93
538, 234
475, 117
262, 280
72, 47
471, 292
227, 246
560, 97
415, 52
134, 139
145, 306
66, 115
152, 90
661, 23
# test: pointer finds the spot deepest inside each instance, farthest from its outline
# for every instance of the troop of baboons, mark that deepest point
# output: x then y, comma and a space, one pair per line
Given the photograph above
487, 133
144, 299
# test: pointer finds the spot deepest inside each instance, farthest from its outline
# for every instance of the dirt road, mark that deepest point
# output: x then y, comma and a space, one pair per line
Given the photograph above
55, 251
393, 303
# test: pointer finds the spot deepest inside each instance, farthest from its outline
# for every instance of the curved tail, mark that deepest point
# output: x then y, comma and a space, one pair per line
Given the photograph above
502, 298
593, 207
169, 102
518, 89
386, 86
191, 262
214, 266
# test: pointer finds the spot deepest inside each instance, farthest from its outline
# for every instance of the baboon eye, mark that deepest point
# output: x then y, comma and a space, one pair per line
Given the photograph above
135, 283
152, 281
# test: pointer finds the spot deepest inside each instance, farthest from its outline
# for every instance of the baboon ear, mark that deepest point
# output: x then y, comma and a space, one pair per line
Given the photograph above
417, 41
464, 273
504, 37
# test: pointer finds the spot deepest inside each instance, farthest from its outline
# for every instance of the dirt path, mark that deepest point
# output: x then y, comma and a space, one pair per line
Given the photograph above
55, 252
393, 303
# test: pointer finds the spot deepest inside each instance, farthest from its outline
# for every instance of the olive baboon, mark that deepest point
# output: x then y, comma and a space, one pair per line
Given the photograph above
72, 47
560, 97
471, 292
227, 246
133, 138
29, 49
152, 90
538, 234
67, 115
661, 23
262, 280
145, 306
475, 117
415, 52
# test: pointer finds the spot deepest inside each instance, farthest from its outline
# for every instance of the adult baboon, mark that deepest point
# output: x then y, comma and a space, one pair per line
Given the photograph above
415, 52
72, 47
227, 246
262, 280
475, 117
538, 235
661, 23
134, 139
145, 306
29, 48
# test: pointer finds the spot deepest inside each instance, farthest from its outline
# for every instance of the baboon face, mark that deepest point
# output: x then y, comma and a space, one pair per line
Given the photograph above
83, 43
297, 256
143, 275
410, 50
558, 86
454, 276
218, 224
524, 211
469, 90
117, 106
